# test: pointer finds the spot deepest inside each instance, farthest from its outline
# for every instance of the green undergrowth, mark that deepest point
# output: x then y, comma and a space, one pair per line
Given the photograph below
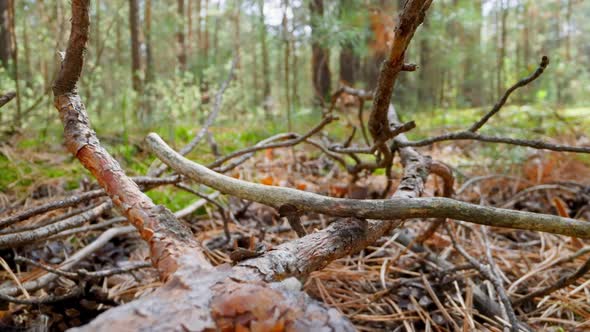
20, 171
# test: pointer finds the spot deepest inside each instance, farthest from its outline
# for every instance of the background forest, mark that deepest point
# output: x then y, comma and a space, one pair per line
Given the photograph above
155, 65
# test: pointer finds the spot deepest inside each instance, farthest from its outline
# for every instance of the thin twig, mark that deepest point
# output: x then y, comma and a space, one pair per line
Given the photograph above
294, 141
84, 274
487, 273
467, 135
144, 181
563, 282
544, 63
19, 239
5, 98
76, 292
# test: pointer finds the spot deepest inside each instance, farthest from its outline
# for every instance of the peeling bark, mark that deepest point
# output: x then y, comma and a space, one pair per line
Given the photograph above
196, 296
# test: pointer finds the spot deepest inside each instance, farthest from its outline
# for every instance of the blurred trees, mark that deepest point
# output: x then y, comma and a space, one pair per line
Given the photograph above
170, 57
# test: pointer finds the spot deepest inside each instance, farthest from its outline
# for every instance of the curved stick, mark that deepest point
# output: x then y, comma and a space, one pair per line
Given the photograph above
395, 208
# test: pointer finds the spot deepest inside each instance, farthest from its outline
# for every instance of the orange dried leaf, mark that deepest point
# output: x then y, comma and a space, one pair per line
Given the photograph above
561, 207
337, 190
268, 154
301, 186
268, 180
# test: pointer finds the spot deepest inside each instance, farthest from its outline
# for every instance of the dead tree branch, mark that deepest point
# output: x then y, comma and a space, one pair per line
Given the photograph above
22, 238
5, 98
487, 272
471, 133
294, 141
544, 63
196, 296
410, 18
400, 207
563, 282
144, 181
169, 240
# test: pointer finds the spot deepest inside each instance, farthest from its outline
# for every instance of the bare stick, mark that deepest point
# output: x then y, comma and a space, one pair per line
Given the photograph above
563, 282
243, 158
291, 142
5, 98
67, 202
471, 133
83, 274
397, 208
544, 63
467, 135
19, 239
77, 291
169, 240
487, 273
103, 239
410, 18
144, 181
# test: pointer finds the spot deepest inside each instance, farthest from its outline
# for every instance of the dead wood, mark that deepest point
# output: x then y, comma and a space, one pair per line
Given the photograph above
195, 296
5, 98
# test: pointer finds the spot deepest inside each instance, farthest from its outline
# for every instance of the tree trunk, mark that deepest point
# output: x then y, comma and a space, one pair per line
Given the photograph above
320, 56
501, 18
17, 116
97, 31
181, 55
295, 93
286, 43
206, 33
135, 55
426, 89
189, 20
149, 60
149, 68
349, 60
237, 41
6, 43
265, 62
471, 85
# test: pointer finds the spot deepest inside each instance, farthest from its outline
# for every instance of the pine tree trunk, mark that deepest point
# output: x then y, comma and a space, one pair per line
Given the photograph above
181, 55
135, 54
320, 55
285, 26
265, 62
6, 43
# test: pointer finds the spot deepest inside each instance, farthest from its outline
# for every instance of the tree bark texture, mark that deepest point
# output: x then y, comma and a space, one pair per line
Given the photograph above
135, 53
320, 55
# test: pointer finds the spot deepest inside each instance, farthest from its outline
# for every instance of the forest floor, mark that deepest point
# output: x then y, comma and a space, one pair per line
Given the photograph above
383, 287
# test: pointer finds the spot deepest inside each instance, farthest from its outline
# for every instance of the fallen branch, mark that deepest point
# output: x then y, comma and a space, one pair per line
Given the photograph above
5, 98
294, 141
544, 63
82, 273
467, 135
196, 296
399, 207
144, 181
81, 254
19, 239
563, 282
487, 272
